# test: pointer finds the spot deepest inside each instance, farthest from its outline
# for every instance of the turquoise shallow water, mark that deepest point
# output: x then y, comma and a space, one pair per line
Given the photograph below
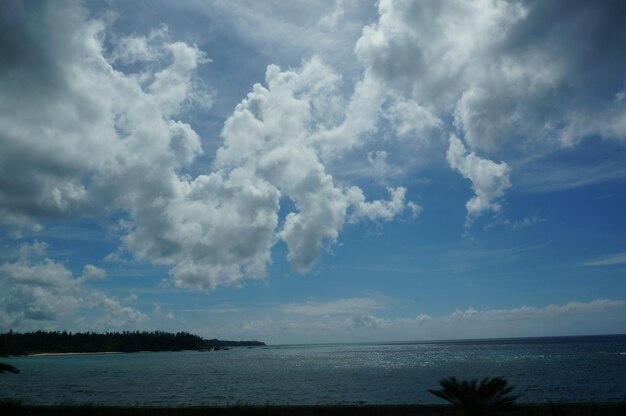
543, 369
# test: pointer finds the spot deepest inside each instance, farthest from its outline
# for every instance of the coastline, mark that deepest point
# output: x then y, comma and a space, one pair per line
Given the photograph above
42, 354
78, 381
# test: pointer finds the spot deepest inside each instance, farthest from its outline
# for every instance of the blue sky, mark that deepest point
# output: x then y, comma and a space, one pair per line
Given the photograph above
314, 171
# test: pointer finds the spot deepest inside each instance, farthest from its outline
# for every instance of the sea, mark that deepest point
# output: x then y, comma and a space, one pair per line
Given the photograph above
562, 369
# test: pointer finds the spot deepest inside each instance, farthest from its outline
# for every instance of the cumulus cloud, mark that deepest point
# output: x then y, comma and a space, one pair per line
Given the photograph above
385, 210
505, 70
367, 321
489, 179
91, 272
517, 79
74, 127
35, 289
409, 119
271, 151
94, 130
115, 315
93, 124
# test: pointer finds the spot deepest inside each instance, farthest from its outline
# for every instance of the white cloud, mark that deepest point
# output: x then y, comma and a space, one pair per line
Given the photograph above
172, 86
536, 313
489, 179
44, 273
359, 119
134, 48
426, 49
36, 291
334, 307
301, 28
506, 71
115, 315
156, 312
354, 319
332, 19
420, 59
367, 321
610, 260
546, 176
89, 138
89, 131
385, 210
279, 135
75, 130
378, 163
91, 272
527, 222
409, 119
517, 79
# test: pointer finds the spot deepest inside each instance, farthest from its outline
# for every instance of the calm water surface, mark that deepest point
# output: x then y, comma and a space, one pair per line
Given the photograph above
543, 369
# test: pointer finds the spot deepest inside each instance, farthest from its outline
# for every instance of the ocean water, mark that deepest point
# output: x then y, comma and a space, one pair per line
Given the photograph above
572, 369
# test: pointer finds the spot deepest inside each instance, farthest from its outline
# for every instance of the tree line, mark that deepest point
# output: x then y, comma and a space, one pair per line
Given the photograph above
15, 343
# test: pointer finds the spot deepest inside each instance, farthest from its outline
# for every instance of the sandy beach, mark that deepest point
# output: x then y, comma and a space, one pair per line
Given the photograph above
73, 353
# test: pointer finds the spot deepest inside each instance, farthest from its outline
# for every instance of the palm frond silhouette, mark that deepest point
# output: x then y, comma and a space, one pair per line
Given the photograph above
8, 368
474, 397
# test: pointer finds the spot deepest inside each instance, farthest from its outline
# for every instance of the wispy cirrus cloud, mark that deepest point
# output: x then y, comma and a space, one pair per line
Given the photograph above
609, 260
533, 312
355, 320
333, 307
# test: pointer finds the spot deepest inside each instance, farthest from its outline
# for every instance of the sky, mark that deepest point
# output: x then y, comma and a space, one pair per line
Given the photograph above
314, 171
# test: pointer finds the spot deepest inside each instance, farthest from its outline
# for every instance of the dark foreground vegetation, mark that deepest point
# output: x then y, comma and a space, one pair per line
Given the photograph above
477, 398
8, 368
580, 409
15, 343
487, 397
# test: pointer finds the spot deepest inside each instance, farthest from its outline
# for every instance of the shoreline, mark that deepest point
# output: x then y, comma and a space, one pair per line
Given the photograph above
42, 354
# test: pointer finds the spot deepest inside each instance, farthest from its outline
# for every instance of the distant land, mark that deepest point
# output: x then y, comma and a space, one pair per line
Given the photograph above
55, 342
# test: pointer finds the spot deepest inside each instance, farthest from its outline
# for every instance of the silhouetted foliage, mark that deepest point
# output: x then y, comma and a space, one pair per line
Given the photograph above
474, 397
4, 368
15, 343
62, 342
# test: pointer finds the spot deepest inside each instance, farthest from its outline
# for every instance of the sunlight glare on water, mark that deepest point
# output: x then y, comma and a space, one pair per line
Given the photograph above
576, 369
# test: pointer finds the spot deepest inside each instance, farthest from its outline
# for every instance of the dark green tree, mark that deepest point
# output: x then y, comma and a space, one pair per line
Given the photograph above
477, 398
